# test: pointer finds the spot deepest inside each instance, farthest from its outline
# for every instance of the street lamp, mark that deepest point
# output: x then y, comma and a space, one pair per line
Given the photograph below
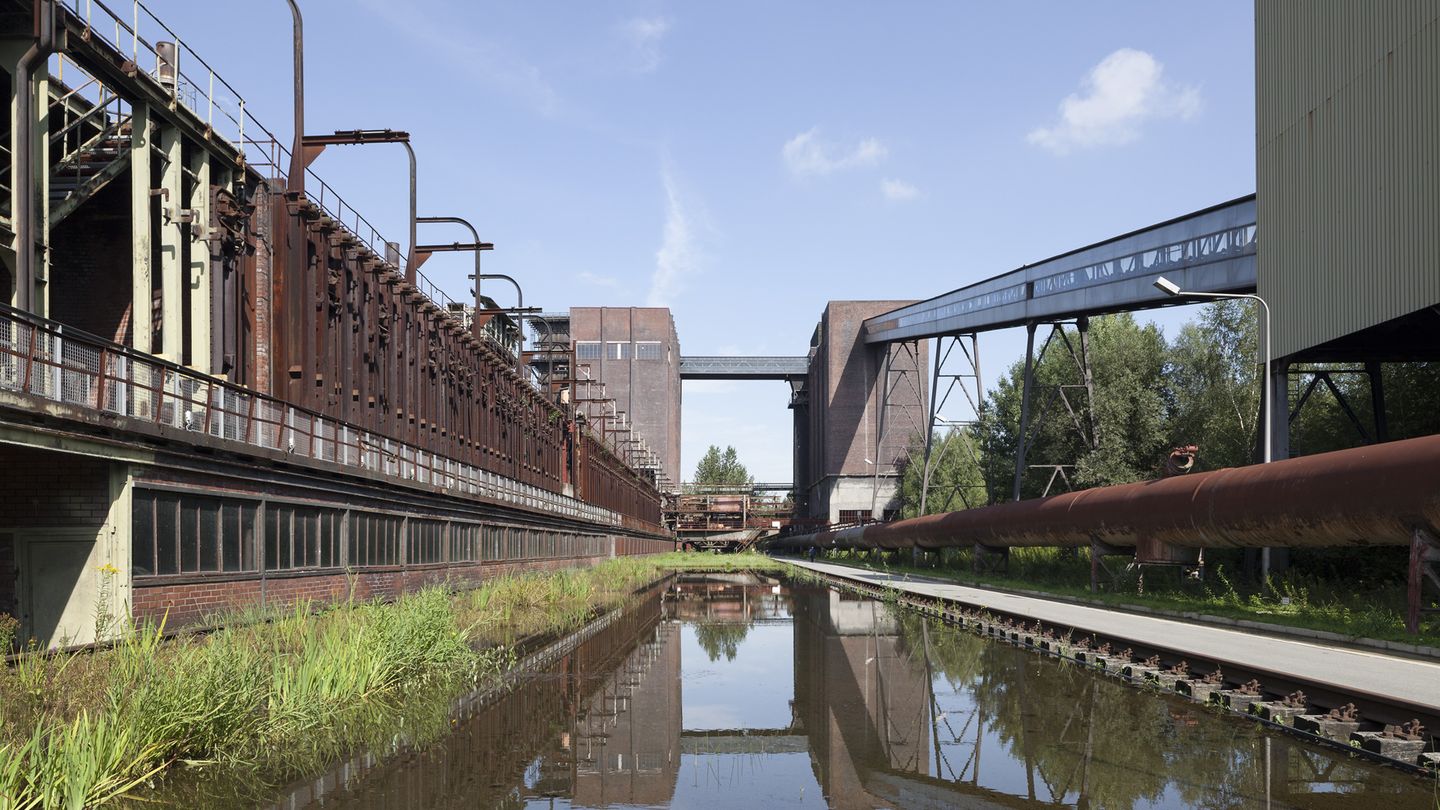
1171, 288
313, 145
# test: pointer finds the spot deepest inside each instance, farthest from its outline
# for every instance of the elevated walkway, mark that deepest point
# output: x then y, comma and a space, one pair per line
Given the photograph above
744, 368
1211, 250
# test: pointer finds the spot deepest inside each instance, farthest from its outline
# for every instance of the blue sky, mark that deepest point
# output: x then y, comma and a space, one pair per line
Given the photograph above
744, 162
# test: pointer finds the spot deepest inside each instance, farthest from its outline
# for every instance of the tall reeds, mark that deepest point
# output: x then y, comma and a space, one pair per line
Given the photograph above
281, 693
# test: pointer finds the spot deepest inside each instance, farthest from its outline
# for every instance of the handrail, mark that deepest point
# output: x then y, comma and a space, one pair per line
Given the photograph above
267, 151
40, 357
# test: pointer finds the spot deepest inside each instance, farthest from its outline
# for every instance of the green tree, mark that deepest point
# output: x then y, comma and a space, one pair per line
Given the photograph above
1127, 362
722, 468
1214, 381
1130, 406
721, 638
957, 479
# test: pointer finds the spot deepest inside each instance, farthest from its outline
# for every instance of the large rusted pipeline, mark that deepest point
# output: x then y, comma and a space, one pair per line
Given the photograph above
1367, 496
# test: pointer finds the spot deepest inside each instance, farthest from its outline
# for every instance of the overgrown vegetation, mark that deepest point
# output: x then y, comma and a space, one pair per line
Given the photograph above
282, 693
1361, 602
1201, 388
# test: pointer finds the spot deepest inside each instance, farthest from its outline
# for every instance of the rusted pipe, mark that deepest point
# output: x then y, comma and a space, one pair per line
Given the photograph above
296, 181
26, 190
1377, 495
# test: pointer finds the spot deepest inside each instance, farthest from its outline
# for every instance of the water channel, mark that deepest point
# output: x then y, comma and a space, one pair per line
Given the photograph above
745, 691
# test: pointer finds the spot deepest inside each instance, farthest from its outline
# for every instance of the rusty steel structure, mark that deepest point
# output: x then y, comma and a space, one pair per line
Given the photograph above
1378, 495
263, 391
353, 333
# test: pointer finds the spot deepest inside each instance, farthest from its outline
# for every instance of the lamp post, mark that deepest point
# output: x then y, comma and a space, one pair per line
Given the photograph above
313, 145
1171, 288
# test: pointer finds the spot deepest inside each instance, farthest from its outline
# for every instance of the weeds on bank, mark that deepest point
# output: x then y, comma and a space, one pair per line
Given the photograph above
283, 692
1366, 609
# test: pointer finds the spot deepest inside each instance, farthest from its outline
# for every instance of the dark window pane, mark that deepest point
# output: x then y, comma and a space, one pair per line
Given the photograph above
142, 553
230, 536
209, 535
166, 535
247, 538
189, 536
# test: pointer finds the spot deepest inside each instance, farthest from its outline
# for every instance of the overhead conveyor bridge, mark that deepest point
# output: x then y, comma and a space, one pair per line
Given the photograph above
1209, 251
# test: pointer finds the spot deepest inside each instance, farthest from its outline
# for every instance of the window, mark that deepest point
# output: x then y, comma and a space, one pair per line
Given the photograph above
301, 537
189, 534
587, 350
426, 541
374, 539
649, 350
854, 515
619, 351
464, 542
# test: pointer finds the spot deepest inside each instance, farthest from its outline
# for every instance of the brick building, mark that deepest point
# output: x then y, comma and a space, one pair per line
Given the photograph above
840, 434
635, 352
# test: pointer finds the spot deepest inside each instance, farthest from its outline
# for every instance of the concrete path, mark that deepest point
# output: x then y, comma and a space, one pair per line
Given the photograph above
1372, 673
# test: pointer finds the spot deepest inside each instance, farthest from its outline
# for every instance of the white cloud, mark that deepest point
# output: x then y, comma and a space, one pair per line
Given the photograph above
898, 190
806, 154
599, 281
1118, 95
679, 255
644, 35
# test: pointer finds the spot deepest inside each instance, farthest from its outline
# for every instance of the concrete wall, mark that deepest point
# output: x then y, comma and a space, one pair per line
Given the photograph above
646, 389
1348, 186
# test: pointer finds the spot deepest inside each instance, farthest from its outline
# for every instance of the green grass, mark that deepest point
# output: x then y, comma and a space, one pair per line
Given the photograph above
1369, 608
283, 693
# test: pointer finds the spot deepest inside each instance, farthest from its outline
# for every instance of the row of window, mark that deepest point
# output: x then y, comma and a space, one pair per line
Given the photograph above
619, 350
195, 534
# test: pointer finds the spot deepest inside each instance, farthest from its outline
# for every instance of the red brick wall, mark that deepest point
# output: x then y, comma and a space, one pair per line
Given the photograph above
187, 601
52, 490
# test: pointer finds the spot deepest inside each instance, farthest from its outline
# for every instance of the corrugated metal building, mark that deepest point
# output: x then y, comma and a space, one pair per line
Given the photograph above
1348, 163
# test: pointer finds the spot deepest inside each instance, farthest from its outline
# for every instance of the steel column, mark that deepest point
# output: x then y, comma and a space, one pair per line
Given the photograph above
1028, 383
172, 274
199, 270
142, 323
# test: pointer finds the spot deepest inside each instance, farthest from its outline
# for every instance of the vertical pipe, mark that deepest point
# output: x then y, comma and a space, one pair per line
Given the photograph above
27, 209
297, 160
1029, 383
411, 267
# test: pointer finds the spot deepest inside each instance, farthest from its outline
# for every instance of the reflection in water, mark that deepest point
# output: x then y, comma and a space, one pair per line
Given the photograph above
732, 691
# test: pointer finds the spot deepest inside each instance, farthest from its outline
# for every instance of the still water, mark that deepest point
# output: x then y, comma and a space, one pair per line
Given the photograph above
741, 691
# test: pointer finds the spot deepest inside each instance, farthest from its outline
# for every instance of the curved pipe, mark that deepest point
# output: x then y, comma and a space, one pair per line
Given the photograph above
296, 180
1367, 496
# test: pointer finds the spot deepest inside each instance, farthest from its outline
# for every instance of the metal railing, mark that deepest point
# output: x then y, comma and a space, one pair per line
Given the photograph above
214, 101
204, 93
47, 360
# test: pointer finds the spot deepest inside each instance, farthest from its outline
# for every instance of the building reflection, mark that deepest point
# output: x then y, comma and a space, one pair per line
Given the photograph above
889, 710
